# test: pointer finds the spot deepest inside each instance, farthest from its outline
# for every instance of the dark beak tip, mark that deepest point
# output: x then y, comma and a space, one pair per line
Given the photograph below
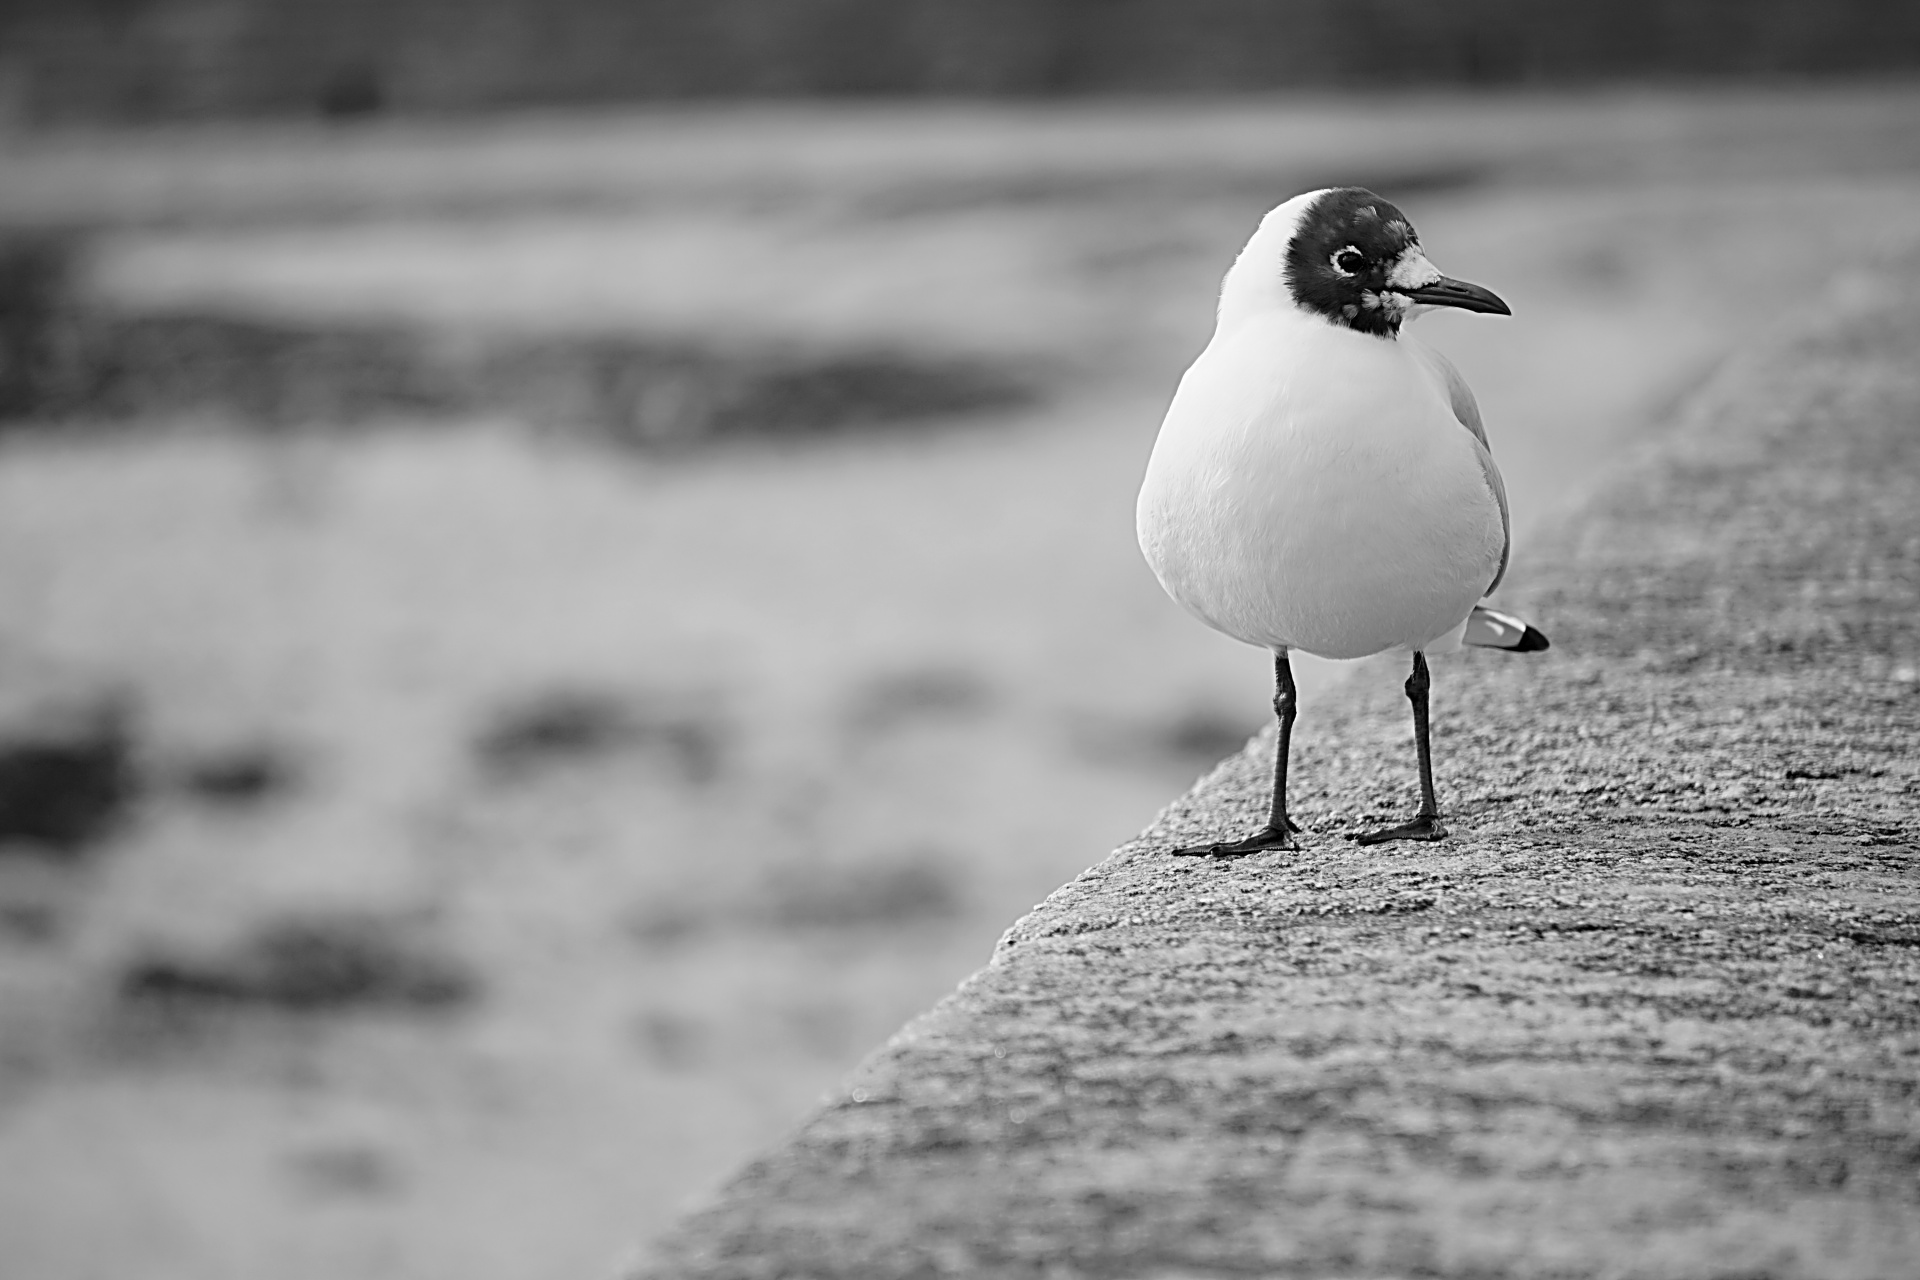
1448, 292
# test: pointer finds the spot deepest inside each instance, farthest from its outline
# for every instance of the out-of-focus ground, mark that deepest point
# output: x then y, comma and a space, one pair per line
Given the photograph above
490, 820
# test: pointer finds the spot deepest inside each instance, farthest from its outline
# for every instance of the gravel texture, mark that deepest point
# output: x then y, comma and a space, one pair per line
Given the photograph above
1652, 1011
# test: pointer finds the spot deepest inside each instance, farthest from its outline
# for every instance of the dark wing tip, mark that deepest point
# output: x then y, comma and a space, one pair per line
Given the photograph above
1533, 640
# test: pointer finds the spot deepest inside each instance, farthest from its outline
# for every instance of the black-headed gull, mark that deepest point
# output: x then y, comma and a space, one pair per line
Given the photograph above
1322, 481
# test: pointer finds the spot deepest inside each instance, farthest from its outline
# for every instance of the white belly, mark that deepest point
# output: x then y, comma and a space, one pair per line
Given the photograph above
1315, 492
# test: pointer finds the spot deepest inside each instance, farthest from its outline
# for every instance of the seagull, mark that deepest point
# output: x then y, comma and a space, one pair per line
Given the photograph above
1322, 481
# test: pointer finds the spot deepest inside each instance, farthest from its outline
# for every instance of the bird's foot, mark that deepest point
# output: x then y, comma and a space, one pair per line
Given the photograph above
1268, 837
1425, 827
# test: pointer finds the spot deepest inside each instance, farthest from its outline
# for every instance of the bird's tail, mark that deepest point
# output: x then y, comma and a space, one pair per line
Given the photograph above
1490, 629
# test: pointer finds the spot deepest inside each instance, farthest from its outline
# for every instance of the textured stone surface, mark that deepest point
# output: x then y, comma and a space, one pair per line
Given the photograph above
1653, 1011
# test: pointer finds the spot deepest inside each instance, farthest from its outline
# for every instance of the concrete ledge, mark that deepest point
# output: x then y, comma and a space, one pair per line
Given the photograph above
1653, 1011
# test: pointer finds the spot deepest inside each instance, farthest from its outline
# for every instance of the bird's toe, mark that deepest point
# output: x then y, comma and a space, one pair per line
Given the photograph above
1259, 842
1424, 827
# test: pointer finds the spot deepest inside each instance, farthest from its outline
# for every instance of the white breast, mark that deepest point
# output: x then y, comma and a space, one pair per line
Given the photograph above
1311, 489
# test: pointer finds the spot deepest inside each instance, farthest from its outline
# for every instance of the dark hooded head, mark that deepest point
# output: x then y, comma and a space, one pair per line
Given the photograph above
1356, 260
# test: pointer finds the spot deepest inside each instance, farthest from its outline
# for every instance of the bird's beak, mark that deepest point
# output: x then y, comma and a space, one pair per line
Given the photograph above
1448, 292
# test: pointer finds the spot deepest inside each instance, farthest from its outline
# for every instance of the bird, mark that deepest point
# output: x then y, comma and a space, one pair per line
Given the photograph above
1322, 481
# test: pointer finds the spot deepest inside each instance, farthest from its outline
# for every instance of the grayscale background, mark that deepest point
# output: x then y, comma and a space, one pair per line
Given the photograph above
567, 565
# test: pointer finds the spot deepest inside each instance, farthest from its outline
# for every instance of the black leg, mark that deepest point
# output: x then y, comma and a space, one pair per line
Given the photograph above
1426, 823
1286, 705
1278, 833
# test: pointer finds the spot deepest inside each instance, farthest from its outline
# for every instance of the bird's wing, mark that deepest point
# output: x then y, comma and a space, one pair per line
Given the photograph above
1467, 410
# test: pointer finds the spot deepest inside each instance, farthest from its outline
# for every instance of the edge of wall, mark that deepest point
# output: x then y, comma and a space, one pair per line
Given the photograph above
1653, 1010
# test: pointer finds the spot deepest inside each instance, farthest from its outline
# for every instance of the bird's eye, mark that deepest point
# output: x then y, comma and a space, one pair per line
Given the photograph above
1351, 261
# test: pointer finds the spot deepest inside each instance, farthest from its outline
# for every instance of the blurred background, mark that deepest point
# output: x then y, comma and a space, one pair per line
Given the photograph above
565, 567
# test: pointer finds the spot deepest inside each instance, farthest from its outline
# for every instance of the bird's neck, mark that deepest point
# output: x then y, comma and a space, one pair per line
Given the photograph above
1290, 318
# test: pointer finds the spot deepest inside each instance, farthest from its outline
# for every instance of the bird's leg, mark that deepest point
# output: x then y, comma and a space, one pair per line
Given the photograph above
1278, 833
1426, 823
1286, 705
